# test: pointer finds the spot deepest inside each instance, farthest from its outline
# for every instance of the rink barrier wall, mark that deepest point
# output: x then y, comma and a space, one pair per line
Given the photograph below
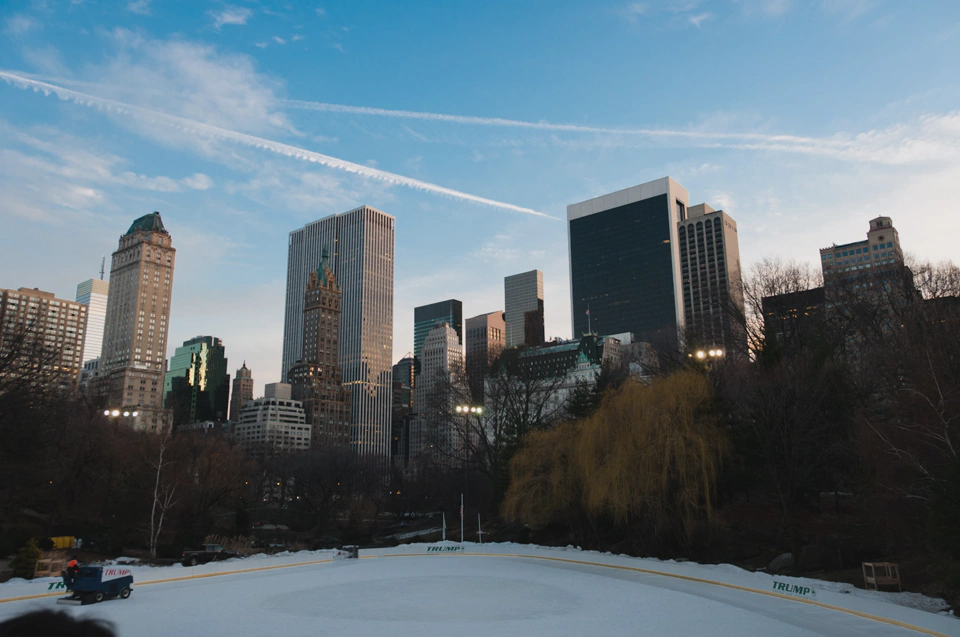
60, 592
414, 550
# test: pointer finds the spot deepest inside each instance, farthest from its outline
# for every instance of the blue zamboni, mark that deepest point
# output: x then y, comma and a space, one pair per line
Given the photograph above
92, 584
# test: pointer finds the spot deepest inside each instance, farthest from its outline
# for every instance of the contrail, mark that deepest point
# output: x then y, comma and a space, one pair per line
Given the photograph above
216, 132
801, 143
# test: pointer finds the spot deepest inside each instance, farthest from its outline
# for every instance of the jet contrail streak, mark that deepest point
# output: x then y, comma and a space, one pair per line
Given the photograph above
802, 143
216, 132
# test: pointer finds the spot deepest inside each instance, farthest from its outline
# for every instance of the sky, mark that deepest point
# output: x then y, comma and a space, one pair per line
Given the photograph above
475, 125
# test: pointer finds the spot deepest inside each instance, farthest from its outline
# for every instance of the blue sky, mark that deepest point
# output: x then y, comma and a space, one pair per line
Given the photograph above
242, 121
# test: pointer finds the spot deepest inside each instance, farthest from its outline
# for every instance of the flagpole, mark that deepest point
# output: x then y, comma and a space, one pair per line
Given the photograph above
444, 537
461, 518
479, 529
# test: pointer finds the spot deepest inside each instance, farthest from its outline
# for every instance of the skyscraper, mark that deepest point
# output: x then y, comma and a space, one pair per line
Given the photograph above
440, 368
41, 339
485, 341
137, 321
426, 317
403, 387
317, 380
624, 264
360, 243
710, 277
242, 391
523, 309
196, 384
93, 293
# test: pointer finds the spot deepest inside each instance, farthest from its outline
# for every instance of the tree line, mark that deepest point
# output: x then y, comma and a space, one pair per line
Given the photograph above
839, 418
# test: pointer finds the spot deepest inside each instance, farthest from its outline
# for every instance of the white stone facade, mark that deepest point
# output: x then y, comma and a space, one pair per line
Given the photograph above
272, 424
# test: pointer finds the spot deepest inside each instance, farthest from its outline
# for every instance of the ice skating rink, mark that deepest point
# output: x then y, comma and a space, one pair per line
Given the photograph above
460, 595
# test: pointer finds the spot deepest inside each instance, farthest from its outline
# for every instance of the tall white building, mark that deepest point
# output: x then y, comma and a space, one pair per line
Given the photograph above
93, 293
441, 365
523, 308
360, 246
710, 276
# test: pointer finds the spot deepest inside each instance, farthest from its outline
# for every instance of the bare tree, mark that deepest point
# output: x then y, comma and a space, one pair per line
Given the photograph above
164, 491
772, 277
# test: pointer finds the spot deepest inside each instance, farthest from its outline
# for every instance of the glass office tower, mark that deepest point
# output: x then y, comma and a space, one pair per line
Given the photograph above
426, 317
196, 385
624, 263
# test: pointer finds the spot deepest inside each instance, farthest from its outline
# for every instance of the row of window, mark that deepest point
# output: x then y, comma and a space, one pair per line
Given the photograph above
852, 253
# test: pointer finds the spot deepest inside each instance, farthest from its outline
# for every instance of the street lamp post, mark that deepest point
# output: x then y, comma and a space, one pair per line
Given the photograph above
467, 411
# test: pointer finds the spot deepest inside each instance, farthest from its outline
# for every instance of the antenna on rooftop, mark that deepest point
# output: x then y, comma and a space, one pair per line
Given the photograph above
103, 264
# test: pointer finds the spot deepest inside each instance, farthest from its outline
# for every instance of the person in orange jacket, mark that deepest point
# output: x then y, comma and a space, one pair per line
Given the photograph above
73, 568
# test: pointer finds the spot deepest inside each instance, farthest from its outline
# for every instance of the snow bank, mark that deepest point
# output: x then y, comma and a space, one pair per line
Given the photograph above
19, 588
910, 608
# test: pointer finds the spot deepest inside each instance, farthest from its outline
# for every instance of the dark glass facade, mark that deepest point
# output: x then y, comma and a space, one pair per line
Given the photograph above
620, 266
197, 384
426, 316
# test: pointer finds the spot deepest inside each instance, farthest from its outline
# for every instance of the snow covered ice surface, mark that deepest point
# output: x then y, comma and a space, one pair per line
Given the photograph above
464, 595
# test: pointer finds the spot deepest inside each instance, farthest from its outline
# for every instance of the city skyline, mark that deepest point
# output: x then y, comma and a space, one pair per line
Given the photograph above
240, 130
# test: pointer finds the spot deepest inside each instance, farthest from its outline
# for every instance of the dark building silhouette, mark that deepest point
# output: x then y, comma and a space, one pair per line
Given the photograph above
485, 338
404, 379
242, 391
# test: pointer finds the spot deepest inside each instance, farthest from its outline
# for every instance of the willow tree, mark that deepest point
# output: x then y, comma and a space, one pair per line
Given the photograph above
546, 483
649, 458
653, 454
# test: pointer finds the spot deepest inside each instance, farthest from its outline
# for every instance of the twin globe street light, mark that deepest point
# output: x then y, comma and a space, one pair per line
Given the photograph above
467, 409
712, 353
706, 357
116, 413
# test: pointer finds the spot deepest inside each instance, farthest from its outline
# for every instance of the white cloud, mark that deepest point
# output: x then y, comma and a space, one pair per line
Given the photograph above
19, 24
700, 18
296, 38
635, 9
46, 59
193, 81
140, 7
279, 40
197, 181
231, 15
210, 133
930, 138
846, 9
320, 11
765, 8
